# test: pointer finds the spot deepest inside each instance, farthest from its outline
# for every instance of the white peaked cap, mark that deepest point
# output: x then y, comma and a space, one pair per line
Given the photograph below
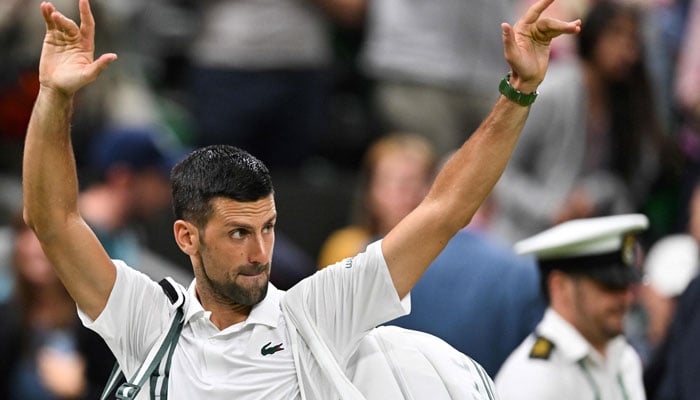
582, 237
672, 262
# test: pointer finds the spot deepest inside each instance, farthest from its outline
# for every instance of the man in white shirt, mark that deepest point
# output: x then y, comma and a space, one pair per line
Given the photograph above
577, 351
225, 218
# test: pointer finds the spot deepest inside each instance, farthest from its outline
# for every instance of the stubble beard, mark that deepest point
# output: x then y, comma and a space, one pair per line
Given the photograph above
600, 328
232, 293
615, 322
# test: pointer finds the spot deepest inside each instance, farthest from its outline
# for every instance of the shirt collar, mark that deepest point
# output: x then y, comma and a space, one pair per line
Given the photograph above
267, 312
572, 344
564, 336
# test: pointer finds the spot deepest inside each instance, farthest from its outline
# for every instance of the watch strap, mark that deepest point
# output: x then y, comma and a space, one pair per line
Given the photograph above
513, 94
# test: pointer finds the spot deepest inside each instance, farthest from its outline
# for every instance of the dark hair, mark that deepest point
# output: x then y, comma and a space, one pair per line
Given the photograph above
631, 101
216, 171
597, 21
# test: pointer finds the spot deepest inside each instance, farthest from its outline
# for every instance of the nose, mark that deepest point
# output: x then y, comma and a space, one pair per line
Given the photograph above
259, 250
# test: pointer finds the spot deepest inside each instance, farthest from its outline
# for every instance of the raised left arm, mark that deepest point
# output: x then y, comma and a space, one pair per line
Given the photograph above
468, 177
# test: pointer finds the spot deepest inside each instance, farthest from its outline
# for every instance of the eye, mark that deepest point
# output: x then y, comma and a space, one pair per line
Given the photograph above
269, 228
238, 233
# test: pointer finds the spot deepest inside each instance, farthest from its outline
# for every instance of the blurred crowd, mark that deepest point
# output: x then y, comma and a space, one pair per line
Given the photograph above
353, 104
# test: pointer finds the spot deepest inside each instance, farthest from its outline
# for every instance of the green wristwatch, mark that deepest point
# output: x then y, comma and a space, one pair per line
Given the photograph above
514, 94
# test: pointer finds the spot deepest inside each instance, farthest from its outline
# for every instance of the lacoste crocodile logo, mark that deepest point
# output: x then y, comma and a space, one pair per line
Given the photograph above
267, 350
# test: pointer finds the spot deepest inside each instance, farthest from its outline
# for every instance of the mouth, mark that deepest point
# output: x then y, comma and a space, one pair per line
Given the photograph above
254, 272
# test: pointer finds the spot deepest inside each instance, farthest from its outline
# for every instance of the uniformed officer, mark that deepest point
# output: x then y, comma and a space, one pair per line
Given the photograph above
577, 351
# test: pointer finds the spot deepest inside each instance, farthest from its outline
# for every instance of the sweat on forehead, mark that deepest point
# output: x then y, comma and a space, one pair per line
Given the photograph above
217, 171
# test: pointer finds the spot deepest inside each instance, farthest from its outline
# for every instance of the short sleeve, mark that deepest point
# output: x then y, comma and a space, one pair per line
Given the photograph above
348, 299
136, 313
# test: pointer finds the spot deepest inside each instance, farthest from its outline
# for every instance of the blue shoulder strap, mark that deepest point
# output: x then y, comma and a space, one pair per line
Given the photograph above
156, 366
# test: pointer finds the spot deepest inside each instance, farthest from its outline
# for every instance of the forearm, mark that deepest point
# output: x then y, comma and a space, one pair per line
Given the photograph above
458, 191
51, 205
473, 170
49, 174
471, 173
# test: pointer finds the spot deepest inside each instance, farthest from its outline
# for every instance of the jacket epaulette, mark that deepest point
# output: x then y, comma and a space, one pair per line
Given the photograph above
542, 349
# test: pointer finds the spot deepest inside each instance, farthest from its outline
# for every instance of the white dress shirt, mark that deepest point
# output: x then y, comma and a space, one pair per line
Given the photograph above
556, 362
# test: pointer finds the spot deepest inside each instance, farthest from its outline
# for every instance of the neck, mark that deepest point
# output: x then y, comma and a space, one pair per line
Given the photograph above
222, 315
597, 343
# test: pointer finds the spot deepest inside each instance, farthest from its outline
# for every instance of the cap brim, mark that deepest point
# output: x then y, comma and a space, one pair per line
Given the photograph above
615, 278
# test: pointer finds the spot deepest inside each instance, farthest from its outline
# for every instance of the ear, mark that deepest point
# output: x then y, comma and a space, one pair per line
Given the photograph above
186, 236
561, 287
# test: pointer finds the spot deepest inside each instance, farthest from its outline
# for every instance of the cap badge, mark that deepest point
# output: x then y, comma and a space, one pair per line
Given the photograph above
628, 244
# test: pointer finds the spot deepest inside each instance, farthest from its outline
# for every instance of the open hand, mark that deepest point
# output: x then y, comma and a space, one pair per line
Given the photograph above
526, 45
67, 57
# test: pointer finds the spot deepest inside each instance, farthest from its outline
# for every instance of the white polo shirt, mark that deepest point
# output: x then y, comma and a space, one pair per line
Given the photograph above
566, 366
252, 359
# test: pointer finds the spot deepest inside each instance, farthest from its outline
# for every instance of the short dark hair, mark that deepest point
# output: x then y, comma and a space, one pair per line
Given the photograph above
216, 171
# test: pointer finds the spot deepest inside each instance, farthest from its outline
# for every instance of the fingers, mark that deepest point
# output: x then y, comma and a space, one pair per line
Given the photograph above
64, 24
55, 21
46, 10
95, 69
87, 21
551, 28
508, 39
534, 12
571, 27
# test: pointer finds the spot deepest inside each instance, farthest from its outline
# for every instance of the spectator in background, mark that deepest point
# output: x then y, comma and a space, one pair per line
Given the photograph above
596, 147
659, 25
674, 360
260, 74
670, 265
130, 183
688, 78
46, 352
577, 351
687, 100
428, 78
10, 200
675, 375
397, 171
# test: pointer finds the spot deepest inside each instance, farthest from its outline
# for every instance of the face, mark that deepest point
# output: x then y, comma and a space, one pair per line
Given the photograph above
399, 183
32, 264
618, 49
232, 265
151, 192
598, 312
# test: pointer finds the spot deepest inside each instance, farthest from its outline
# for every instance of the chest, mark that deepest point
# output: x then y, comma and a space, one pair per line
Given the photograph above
590, 381
252, 363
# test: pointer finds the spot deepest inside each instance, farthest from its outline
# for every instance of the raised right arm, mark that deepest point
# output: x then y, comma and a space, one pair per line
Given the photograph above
50, 182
